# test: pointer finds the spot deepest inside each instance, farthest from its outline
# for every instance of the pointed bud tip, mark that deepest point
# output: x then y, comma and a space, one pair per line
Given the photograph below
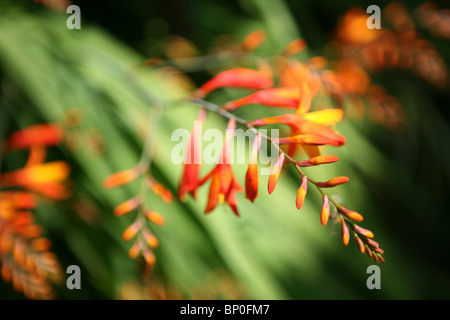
325, 212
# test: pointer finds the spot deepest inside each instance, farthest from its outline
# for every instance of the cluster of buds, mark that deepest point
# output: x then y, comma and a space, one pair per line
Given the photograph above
144, 240
398, 45
24, 253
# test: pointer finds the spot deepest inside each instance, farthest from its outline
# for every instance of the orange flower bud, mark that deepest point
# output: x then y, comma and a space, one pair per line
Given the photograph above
19, 253
122, 177
41, 244
134, 250
149, 256
360, 244
55, 191
333, 182
372, 243
325, 213
295, 47
253, 40
150, 238
379, 250
127, 206
369, 251
24, 218
132, 230
301, 193
350, 214
362, 231
36, 135
31, 231
6, 242
6, 272
317, 62
345, 232
251, 177
154, 217
192, 162
317, 160
323, 159
375, 257
381, 257
274, 175
160, 190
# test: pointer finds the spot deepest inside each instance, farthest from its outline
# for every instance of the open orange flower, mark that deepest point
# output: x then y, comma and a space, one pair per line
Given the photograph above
30, 266
308, 129
45, 178
224, 184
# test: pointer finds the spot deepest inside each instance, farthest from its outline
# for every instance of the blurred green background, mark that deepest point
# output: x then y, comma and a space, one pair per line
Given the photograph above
398, 178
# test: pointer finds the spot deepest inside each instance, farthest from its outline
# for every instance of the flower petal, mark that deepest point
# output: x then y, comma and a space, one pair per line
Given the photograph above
36, 135
306, 139
311, 127
19, 199
285, 97
214, 191
44, 173
327, 117
305, 101
236, 78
